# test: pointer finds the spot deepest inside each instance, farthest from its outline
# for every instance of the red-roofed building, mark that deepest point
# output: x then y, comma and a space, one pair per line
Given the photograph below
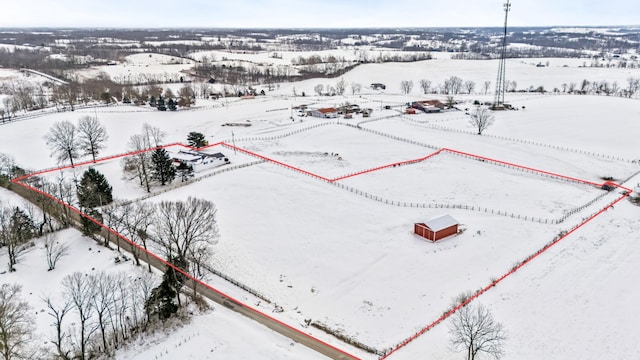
325, 113
437, 228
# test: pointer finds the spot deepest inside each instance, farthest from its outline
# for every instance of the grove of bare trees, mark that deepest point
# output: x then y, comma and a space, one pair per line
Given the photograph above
68, 141
406, 86
97, 313
186, 230
139, 164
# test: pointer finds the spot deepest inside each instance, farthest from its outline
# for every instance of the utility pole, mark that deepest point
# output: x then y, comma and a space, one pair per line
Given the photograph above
498, 102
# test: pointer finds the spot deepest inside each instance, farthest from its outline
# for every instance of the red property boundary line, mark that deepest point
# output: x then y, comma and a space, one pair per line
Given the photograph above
506, 275
405, 342
161, 260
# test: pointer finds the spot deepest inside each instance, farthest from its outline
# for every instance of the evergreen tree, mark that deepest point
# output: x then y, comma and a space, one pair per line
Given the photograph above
89, 227
162, 302
160, 104
16, 229
196, 139
172, 105
162, 168
94, 190
152, 101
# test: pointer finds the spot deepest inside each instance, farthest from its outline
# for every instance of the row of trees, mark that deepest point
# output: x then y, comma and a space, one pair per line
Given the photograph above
453, 85
110, 309
93, 315
586, 87
339, 88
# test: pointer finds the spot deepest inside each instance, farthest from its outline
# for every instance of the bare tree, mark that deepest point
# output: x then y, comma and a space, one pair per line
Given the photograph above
481, 118
469, 85
406, 86
425, 85
633, 85
452, 85
92, 136
152, 135
58, 314
48, 205
8, 166
102, 302
474, 330
318, 89
140, 145
121, 305
143, 286
16, 324
356, 88
63, 141
136, 220
450, 101
80, 291
341, 86
487, 85
181, 227
54, 250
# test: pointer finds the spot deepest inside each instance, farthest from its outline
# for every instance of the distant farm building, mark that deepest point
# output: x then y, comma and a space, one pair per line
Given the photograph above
325, 113
199, 161
428, 106
437, 228
378, 86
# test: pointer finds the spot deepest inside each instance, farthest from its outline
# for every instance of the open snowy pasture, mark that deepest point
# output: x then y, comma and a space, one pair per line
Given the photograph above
354, 264
334, 150
530, 149
142, 67
195, 340
445, 179
582, 283
600, 124
523, 71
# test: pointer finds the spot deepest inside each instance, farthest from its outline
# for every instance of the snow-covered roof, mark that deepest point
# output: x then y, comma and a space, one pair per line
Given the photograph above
441, 222
185, 157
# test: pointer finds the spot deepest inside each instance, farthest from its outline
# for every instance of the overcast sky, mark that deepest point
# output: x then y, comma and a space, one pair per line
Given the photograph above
314, 13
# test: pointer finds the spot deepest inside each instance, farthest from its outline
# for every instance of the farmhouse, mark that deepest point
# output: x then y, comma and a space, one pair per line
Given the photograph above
437, 228
325, 113
378, 86
199, 161
428, 106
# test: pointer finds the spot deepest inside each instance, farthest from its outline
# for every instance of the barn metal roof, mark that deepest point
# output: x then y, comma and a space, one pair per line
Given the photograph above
441, 222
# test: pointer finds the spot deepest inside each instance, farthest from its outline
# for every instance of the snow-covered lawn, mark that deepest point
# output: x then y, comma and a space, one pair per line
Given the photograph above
575, 301
195, 340
334, 256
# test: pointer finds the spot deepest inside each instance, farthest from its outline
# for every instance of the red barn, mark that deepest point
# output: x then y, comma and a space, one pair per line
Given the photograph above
437, 228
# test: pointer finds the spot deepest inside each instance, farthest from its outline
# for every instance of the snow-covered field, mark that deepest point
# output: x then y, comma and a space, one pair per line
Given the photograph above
340, 258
